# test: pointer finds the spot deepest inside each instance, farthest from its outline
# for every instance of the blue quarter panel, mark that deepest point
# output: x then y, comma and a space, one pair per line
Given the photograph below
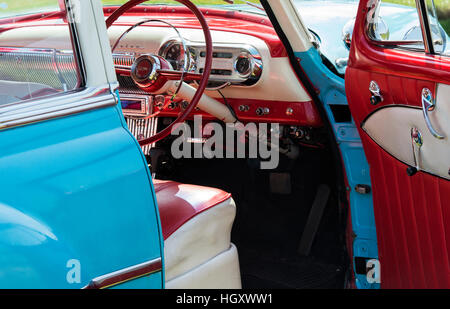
332, 92
78, 188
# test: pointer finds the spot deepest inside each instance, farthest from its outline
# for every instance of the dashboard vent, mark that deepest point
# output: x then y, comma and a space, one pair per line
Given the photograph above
221, 55
125, 60
219, 72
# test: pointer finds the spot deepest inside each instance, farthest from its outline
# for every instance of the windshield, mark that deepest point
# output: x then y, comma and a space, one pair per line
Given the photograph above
250, 6
9, 8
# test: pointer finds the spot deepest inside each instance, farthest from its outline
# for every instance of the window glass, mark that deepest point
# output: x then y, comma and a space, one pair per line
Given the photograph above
36, 54
331, 26
396, 21
439, 17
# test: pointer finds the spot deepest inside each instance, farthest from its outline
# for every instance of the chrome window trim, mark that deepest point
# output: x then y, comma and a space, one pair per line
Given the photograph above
62, 104
50, 107
74, 36
425, 26
126, 274
421, 8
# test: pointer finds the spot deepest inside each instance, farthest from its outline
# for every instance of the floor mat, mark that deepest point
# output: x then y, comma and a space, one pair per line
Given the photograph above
297, 273
268, 227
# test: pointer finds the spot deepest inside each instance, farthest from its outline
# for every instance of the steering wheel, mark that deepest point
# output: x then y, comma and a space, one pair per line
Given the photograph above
152, 72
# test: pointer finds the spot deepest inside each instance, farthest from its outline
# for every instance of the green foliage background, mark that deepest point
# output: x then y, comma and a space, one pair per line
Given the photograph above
11, 7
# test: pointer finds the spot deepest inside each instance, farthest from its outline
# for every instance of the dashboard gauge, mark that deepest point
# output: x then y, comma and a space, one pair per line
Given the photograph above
243, 64
233, 64
175, 55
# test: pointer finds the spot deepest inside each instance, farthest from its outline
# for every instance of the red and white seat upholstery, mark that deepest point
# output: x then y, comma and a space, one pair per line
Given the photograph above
196, 224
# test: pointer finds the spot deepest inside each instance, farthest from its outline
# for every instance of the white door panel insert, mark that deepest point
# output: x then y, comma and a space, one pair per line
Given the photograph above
390, 128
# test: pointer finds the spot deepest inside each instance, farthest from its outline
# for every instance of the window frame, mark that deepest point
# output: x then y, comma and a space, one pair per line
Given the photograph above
77, 55
96, 90
421, 8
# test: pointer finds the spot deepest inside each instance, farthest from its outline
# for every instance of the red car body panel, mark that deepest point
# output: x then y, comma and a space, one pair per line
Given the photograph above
412, 213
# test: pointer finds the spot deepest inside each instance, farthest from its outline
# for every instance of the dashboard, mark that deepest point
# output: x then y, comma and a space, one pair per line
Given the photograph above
251, 71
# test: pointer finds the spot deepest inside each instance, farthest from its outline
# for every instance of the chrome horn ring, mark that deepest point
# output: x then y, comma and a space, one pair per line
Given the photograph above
187, 58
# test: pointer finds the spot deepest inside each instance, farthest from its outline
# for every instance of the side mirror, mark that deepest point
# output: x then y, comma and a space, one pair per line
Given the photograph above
437, 32
347, 32
378, 31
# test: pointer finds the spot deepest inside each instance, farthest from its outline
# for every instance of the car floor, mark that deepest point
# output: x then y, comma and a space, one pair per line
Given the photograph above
268, 226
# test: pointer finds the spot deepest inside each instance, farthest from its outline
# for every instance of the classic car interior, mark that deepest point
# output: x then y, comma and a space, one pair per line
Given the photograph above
210, 207
251, 75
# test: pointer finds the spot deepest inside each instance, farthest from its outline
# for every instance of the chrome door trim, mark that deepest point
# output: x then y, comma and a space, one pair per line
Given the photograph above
425, 26
74, 36
428, 104
46, 108
125, 275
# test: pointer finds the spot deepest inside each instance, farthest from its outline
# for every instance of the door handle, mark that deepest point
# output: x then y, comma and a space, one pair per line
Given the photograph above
429, 105
376, 97
417, 143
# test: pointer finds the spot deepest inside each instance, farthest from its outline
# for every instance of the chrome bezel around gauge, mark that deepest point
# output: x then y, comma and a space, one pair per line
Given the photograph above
254, 71
189, 63
225, 59
234, 53
248, 70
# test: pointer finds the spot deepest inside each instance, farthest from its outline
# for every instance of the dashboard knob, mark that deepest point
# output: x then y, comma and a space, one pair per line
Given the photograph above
260, 111
244, 108
159, 101
184, 104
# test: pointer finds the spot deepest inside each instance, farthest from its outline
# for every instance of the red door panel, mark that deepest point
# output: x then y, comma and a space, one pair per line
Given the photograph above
412, 213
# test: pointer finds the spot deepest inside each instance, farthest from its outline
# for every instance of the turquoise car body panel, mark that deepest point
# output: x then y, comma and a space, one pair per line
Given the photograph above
75, 188
332, 92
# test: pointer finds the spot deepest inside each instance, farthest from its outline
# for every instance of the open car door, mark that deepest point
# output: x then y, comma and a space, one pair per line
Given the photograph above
397, 85
398, 89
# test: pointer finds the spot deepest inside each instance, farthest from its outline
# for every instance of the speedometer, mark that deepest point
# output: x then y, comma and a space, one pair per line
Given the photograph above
173, 52
175, 56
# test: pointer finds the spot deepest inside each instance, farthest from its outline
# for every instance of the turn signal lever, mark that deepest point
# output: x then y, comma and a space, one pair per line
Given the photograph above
221, 112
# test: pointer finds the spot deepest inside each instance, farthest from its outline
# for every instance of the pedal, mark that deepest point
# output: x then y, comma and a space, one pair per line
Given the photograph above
314, 219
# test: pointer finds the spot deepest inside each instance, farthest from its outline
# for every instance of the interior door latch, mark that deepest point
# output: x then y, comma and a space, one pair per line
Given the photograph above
417, 143
376, 97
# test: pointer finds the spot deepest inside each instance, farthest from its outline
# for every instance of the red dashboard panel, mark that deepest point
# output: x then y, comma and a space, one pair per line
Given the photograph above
219, 20
286, 113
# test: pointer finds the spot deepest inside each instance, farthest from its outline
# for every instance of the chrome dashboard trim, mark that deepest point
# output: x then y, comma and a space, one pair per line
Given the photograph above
146, 102
226, 64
